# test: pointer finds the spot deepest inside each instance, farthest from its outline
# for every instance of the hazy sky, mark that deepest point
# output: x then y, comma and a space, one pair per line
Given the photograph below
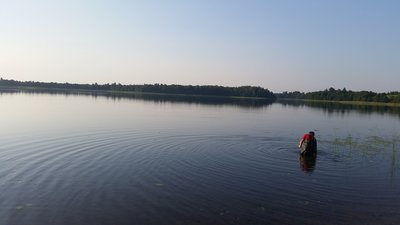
280, 45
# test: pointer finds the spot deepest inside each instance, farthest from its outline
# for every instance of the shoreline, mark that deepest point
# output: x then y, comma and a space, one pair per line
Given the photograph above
92, 91
390, 104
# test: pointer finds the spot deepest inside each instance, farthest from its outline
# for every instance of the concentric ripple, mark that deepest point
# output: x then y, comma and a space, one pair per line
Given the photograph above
137, 177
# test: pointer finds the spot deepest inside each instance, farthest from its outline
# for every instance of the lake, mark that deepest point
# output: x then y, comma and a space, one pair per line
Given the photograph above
147, 159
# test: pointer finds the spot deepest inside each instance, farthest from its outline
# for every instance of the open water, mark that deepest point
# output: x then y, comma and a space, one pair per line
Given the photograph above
86, 159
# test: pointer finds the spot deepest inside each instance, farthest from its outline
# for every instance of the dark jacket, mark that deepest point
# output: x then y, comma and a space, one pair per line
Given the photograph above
309, 146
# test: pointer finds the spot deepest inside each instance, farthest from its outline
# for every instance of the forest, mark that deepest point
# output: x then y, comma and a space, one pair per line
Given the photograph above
206, 90
332, 94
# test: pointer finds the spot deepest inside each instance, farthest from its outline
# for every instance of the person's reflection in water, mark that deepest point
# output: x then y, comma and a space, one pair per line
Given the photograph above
307, 162
308, 152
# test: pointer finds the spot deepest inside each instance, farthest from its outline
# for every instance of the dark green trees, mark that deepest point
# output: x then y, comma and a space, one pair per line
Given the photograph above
332, 94
209, 90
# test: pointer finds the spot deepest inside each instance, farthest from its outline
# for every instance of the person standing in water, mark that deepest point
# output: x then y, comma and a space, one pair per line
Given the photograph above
308, 144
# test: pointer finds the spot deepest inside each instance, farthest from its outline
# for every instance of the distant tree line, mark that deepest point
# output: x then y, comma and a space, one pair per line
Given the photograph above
332, 94
208, 90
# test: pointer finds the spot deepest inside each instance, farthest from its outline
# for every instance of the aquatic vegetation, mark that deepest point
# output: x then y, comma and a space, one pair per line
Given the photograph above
374, 144
347, 141
368, 147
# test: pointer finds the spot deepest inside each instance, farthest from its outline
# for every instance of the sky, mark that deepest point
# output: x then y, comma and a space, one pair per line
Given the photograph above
282, 45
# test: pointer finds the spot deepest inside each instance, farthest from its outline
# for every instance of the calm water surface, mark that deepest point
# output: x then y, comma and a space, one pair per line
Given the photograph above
82, 159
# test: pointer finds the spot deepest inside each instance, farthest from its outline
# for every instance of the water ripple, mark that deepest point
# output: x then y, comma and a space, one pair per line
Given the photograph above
168, 175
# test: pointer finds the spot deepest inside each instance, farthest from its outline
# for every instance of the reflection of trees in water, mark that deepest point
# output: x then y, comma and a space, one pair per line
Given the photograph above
156, 98
343, 109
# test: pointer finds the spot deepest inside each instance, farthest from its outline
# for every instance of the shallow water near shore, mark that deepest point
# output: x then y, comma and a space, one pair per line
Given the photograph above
84, 159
